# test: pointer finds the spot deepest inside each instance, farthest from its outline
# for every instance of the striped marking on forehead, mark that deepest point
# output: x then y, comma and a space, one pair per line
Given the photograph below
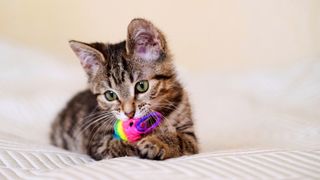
118, 71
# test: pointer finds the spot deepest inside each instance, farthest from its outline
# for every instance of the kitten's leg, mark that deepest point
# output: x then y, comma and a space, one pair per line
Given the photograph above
109, 147
167, 145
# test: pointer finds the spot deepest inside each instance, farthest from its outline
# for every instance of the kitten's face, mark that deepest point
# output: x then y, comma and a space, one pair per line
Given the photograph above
134, 77
131, 99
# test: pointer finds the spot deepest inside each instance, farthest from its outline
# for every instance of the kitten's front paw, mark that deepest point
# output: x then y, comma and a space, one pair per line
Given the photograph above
151, 148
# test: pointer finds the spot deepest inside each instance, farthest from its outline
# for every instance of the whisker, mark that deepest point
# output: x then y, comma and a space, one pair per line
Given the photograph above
96, 117
104, 124
88, 126
89, 121
92, 122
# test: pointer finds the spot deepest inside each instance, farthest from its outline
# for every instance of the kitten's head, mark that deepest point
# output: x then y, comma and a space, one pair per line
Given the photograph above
133, 77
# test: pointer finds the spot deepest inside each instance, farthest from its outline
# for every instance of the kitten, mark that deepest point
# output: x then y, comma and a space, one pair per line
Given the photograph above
127, 80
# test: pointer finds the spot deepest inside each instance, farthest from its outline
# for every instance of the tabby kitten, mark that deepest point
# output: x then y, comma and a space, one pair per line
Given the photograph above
127, 80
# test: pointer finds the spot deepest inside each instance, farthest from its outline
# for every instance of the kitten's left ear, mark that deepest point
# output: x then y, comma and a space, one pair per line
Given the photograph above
145, 41
90, 58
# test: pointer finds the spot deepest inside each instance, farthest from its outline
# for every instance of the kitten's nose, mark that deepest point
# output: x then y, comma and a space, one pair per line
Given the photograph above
129, 114
129, 108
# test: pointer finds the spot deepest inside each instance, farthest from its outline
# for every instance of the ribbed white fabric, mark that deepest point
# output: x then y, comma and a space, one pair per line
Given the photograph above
24, 160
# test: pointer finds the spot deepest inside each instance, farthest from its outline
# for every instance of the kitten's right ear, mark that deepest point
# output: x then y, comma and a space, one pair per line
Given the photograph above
90, 58
145, 41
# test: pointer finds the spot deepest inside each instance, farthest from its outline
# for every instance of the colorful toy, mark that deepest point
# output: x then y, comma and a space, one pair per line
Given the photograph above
133, 129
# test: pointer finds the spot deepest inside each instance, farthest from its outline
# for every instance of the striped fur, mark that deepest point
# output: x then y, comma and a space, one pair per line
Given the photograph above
86, 123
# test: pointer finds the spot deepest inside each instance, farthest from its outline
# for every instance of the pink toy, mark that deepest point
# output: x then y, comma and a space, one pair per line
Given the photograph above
132, 129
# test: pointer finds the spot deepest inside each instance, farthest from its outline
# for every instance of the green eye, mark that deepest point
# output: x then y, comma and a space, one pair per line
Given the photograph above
142, 86
110, 95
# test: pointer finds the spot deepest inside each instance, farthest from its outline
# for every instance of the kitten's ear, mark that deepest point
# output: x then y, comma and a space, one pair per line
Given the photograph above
90, 58
145, 41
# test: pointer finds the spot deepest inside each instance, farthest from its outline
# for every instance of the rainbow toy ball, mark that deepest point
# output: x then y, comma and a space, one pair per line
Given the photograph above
133, 129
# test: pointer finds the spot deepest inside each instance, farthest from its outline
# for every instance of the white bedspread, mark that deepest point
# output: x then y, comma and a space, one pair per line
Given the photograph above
263, 123
27, 160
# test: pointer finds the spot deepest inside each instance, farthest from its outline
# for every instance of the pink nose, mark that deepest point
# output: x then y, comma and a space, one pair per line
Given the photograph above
129, 114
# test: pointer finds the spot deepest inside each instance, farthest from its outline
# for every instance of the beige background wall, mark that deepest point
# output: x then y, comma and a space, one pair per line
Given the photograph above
203, 34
